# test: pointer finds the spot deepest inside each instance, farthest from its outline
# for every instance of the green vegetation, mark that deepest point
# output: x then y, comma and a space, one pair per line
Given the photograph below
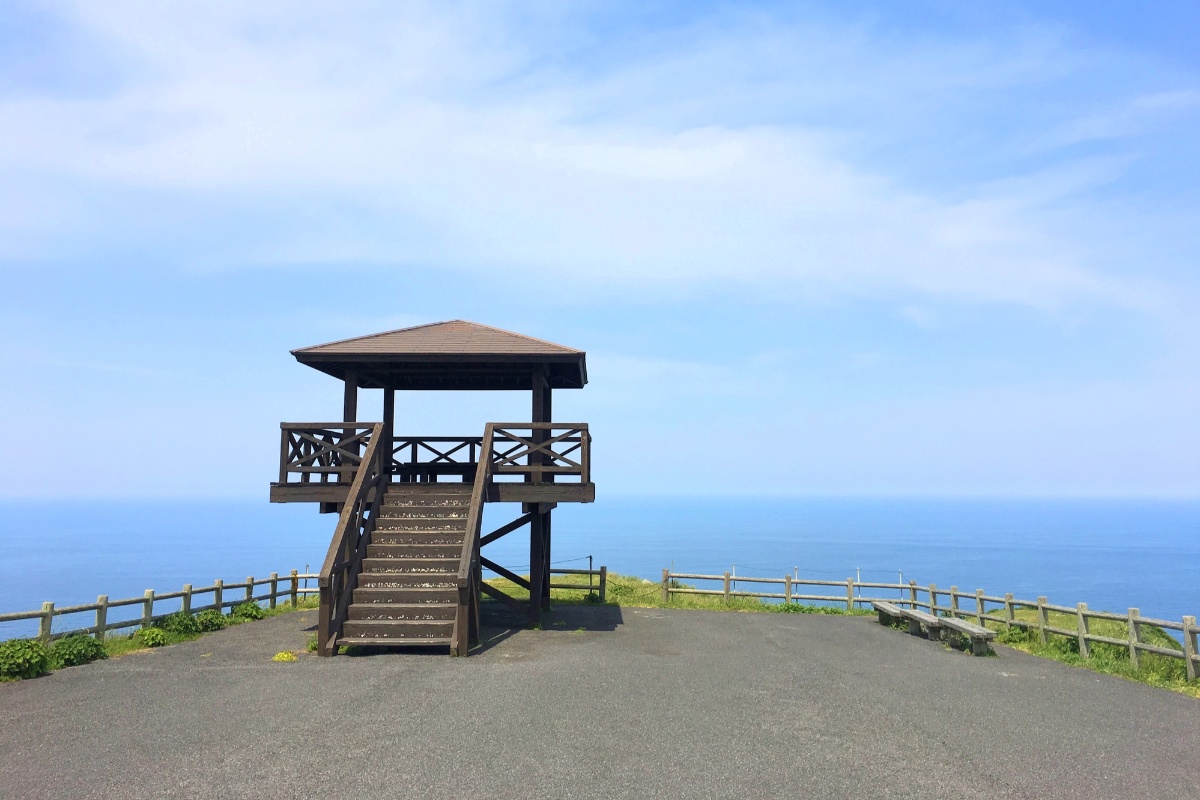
29, 658
23, 658
1153, 669
71, 651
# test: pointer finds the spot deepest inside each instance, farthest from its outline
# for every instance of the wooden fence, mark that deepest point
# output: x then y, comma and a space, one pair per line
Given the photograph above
601, 589
224, 595
977, 608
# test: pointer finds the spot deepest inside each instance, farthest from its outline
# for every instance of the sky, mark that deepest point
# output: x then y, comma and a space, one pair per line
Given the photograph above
826, 248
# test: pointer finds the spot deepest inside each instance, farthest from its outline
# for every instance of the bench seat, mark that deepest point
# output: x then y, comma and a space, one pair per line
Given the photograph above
979, 635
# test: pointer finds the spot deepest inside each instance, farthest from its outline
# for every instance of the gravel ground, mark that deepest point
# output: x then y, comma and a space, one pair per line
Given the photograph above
641, 703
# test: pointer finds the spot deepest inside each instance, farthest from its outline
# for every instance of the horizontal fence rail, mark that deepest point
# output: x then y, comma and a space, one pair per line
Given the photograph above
331, 451
975, 607
224, 595
601, 588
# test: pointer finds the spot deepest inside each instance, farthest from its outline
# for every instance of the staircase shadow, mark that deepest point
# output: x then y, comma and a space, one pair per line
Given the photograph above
498, 622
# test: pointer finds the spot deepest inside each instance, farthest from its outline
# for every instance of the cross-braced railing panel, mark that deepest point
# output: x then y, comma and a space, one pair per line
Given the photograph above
414, 456
331, 451
542, 450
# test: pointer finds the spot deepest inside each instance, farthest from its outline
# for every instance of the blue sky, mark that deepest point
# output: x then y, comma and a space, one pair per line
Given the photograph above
811, 248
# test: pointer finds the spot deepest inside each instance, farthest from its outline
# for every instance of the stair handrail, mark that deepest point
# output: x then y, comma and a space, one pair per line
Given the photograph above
469, 558
343, 561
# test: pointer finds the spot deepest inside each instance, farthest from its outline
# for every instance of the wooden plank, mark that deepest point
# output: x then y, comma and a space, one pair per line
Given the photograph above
508, 600
504, 572
504, 530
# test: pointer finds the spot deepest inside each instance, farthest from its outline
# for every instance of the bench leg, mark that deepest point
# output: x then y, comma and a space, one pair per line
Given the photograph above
914, 627
979, 646
934, 634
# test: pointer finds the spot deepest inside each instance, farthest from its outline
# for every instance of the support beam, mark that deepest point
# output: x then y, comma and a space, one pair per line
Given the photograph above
543, 410
350, 397
504, 530
537, 566
389, 423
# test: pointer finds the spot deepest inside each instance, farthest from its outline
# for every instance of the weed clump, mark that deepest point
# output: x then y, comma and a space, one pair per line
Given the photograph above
23, 658
247, 611
152, 637
180, 623
71, 651
210, 620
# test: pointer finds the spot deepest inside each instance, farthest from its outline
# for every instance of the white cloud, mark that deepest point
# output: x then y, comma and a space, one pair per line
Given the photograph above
433, 136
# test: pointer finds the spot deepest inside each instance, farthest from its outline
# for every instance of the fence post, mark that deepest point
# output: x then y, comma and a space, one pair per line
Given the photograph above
726, 587
295, 587
849, 594
148, 608
603, 583
1189, 646
274, 588
187, 598
1008, 611
101, 616
666, 586
933, 593
219, 594
979, 606
1135, 636
1085, 649
47, 622
249, 588
912, 592
1043, 619
954, 601
787, 588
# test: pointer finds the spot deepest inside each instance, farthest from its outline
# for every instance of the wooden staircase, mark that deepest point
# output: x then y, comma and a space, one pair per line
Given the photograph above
407, 591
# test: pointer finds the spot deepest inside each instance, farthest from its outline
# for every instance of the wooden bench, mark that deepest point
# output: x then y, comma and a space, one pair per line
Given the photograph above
917, 619
932, 626
978, 635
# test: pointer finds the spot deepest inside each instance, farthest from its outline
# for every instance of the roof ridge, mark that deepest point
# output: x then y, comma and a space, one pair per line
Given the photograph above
432, 325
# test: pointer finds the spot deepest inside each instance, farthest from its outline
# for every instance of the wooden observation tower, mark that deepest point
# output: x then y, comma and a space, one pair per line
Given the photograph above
405, 564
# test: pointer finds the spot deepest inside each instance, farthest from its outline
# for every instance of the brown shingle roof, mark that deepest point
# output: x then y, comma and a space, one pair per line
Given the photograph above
452, 355
456, 337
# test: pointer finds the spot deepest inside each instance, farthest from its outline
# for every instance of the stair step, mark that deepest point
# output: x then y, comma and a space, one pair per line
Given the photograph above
423, 512
450, 501
407, 551
438, 538
393, 642
402, 629
422, 524
410, 595
424, 612
405, 580
428, 489
439, 566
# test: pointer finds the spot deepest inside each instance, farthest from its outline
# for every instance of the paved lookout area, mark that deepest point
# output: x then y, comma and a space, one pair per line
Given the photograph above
644, 703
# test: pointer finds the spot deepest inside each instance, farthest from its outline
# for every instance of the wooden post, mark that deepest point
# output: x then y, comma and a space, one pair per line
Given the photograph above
727, 587
849, 594
148, 609
274, 588
295, 587
1085, 649
1135, 636
933, 593
1008, 610
603, 583
979, 606
666, 586
46, 623
187, 598
1189, 646
349, 414
912, 593
536, 564
249, 588
219, 594
389, 426
1043, 619
787, 588
954, 601
101, 616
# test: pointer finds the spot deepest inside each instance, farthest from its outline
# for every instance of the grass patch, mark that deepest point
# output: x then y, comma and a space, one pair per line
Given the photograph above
1109, 659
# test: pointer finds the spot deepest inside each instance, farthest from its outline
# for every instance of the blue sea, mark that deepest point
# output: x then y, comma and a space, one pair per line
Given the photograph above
1111, 554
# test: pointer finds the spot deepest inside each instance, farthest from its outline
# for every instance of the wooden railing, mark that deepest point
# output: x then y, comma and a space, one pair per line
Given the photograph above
466, 616
422, 457
549, 451
224, 595
343, 562
332, 451
910, 593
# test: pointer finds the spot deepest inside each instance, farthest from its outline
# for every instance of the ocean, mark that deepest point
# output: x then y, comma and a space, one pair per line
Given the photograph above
1111, 554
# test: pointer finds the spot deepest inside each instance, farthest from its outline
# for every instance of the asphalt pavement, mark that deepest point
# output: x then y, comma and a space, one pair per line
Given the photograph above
640, 703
